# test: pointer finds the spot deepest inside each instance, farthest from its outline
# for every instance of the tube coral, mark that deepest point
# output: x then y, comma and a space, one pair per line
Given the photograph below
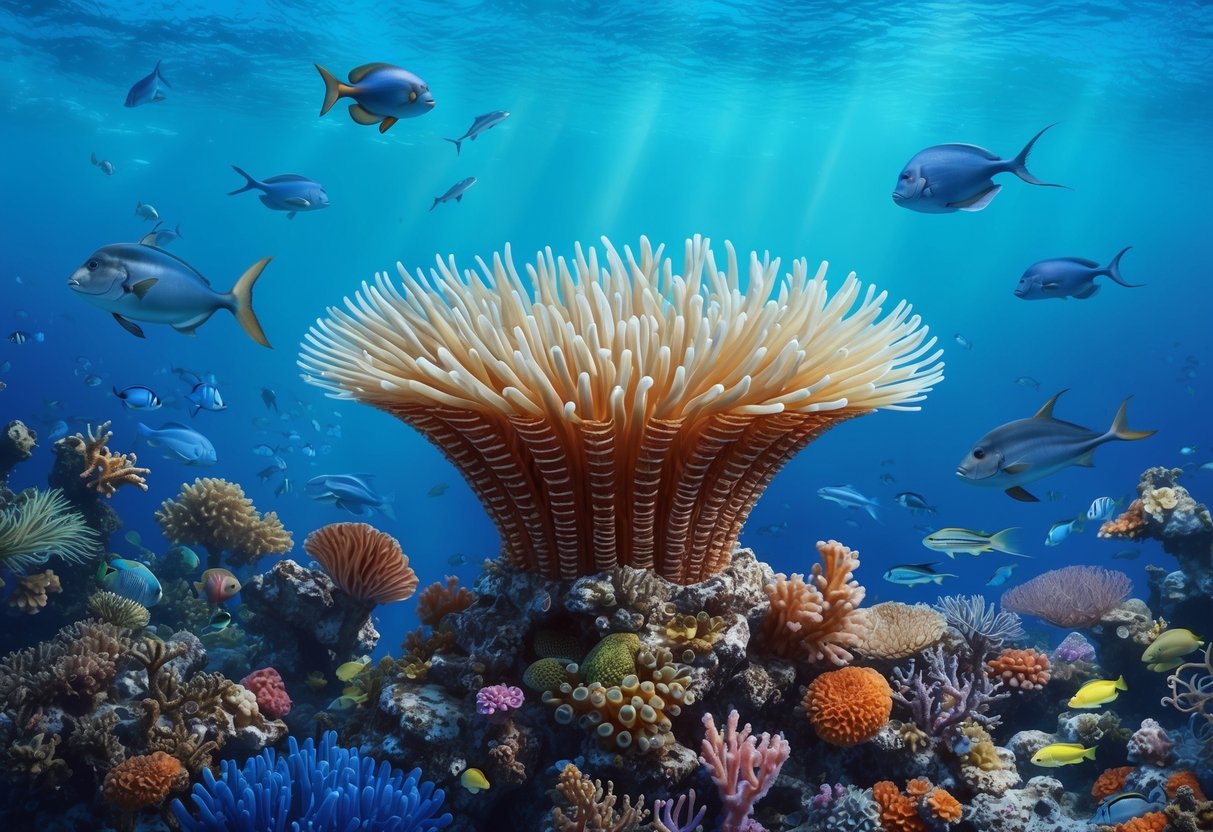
1073, 596
40, 525
363, 561
742, 766
616, 413
215, 514
816, 621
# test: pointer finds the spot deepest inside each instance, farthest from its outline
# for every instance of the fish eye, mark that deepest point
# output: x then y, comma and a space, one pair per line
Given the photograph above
412, 95
905, 175
92, 265
979, 453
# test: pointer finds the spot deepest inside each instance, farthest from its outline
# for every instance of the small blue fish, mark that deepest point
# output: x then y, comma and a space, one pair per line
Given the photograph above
1062, 529
963, 342
220, 620
161, 236
455, 192
848, 496
205, 396
1121, 808
479, 125
178, 442
1001, 574
288, 192
92, 381
137, 397
383, 93
959, 177
107, 167
265, 450
148, 90
914, 574
1102, 508
349, 492
20, 337
130, 579
58, 431
914, 502
1188, 450
1068, 277
1028, 381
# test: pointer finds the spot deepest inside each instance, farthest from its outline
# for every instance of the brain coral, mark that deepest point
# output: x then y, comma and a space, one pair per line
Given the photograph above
849, 705
364, 562
612, 412
611, 659
216, 515
893, 630
139, 782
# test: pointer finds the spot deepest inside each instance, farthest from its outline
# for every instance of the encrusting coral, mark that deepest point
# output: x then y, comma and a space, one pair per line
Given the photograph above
613, 412
439, 600
849, 705
105, 470
29, 595
893, 630
816, 621
215, 514
1024, 669
1109, 782
364, 562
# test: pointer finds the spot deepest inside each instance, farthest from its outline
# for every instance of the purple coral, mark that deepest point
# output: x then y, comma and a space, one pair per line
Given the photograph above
1073, 596
827, 795
668, 815
497, 701
743, 767
1151, 744
940, 696
1074, 648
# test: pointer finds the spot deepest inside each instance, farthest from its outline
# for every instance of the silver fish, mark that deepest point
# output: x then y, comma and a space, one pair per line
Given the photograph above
288, 192
146, 211
148, 90
455, 192
479, 125
179, 442
848, 496
107, 167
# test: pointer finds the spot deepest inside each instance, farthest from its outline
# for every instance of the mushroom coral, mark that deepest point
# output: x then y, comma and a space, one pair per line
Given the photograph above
611, 412
363, 561
215, 514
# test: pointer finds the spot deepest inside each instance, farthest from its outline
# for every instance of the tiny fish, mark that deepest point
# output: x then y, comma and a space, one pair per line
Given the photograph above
288, 192
137, 397
1028, 381
964, 342
457, 559
1058, 754
349, 492
58, 431
164, 236
217, 585
915, 502
205, 396
479, 125
773, 529
1001, 575
92, 381
284, 487
1062, 529
1102, 508
887, 479
455, 192
1188, 450
473, 780
848, 496
106, 166
315, 680
383, 94
187, 556
265, 450
437, 490
954, 541
221, 620
1127, 554
20, 337
308, 450
1097, 692
352, 670
913, 574
146, 211
148, 90
269, 398
344, 703
1068, 277
270, 471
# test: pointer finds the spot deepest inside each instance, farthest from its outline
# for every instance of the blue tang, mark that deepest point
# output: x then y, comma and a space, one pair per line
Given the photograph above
140, 282
288, 192
349, 492
148, 90
479, 125
455, 192
1001, 574
383, 93
130, 579
138, 397
1068, 277
959, 177
179, 442
205, 396
1121, 808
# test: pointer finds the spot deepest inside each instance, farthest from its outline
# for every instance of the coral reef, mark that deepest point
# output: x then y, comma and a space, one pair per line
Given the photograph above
940, 696
105, 471
272, 699
893, 630
215, 514
1073, 596
586, 805
365, 563
1151, 744
848, 706
144, 780
1023, 669
438, 600
30, 593
742, 766
1191, 686
121, 612
38, 525
1109, 782
816, 621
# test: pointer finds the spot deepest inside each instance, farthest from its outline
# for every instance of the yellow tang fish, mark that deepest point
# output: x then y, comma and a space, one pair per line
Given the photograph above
1060, 754
1166, 651
1098, 692
316, 681
352, 670
473, 780
344, 703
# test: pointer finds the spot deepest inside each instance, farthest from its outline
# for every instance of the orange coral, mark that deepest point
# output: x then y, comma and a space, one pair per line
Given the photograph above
108, 469
898, 812
1184, 778
1110, 782
848, 706
922, 807
1131, 524
363, 561
29, 595
1024, 669
815, 621
1152, 822
139, 782
918, 786
436, 601
943, 806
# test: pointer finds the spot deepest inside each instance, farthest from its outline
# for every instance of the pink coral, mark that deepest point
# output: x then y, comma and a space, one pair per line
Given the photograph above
742, 767
1150, 744
272, 699
498, 700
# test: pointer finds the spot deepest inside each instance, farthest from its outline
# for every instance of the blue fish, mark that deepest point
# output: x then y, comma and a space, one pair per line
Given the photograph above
205, 396
848, 496
1121, 808
288, 192
1068, 277
1001, 575
137, 397
139, 282
58, 431
454, 192
161, 236
479, 125
130, 579
958, 177
383, 93
148, 90
349, 492
178, 442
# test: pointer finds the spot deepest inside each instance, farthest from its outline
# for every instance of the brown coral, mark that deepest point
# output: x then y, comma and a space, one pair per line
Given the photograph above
363, 561
816, 621
1184, 778
108, 470
612, 412
143, 781
1130, 525
1110, 781
590, 807
215, 514
1025, 669
893, 630
849, 705
29, 596
437, 601
696, 633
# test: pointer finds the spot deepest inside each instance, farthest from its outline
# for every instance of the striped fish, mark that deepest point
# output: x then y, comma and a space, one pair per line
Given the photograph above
1101, 509
953, 542
130, 579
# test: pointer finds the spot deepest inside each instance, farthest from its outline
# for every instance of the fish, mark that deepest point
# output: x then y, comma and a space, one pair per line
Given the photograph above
269, 398
1027, 450
1062, 529
887, 479
205, 396
349, 492
344, 703
58, 431
915, 502
437, 490
140, 282
19, 337
1001, 575
959, 177
148, 212
350, 671
3, 386
1028, 381
455, 192
382, 93
288, 192
217, 585
130, 579
148, 90
1068, 277
848, 497
179, 442
284, 487
1188, 450
315, 680
221, 620
473, 780
1121, 808
1102, 508
773, 529
107, 167
273, 470
954, 541
265, 450
479, 125
164, 236
1058, 754
1167, 651
92, 381
913, 574
1097, 692
138, 397
1127, 554
188, 557
457, 559
308, 450
964, 342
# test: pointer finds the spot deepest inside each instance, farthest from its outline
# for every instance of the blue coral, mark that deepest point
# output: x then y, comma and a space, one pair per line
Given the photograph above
309, 789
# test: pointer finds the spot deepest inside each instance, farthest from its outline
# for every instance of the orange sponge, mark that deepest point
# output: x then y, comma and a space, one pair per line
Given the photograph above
1110, 782
849, 705
139, 782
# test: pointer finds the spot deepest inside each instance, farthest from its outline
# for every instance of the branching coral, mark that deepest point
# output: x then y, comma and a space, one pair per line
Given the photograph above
1191, 687
42, 524
363, 561
615, 413
1073, 596
439, 600
588, 805
849, 705
743, 767
893, 630
668, 815
29, 595
215, 514
816, 621
939, 696
105, 470
1025, 669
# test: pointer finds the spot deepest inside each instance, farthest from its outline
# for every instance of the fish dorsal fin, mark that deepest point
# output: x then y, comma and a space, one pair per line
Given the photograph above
926, 567
291, 177
177, 425
1046, 412
360, 72
149, 239
980, 151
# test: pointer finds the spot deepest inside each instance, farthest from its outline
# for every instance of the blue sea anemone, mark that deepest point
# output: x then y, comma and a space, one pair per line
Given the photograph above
309, 789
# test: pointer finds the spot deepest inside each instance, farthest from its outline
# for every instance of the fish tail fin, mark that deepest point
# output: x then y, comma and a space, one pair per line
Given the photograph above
872, 507
333, 89
160, 75
94, 157
386, 507
1120, 426
1019, 165
242, 295
1120, 683
141, 434
1088, 753
1112, 270
178, 229
250, 183
457, 143
1006, 542
437, 199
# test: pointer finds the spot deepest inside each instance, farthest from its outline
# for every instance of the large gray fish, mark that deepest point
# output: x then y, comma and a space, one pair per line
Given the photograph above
140, 282
179, 442
383, 93
286, 192
959, 177
1027, 450
479, 125
455, 192
148, 90
350, 492
1068, 277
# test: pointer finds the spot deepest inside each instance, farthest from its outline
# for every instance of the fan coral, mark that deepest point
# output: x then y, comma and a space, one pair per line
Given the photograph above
29, 595
588, 805
437, 601
1109, 782
364, 562
1181, 779
816, 621
849, 705
1023, 669
742, 766
108, 470
121, 612
215, 514
893, 630
139, 782
498, 700
310, 787
41, 524
272, 699
617, 413
1073, 596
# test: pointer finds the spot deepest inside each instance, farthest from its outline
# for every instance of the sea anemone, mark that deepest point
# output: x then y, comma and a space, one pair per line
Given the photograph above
40, 525
616, 413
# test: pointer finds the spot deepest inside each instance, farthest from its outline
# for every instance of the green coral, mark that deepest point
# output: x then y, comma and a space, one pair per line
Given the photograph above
611, 660
117, 610
558, 644
545, 674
